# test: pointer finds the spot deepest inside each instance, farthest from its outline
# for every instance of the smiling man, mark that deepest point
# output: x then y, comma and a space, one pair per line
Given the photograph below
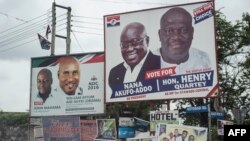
137, 57
44, 82
69, 75
176, 35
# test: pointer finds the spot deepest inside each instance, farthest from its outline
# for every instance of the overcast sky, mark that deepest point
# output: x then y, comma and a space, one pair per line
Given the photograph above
15, 58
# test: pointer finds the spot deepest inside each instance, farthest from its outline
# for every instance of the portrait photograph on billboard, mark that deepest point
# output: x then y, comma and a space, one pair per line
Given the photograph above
67, 85
161, 53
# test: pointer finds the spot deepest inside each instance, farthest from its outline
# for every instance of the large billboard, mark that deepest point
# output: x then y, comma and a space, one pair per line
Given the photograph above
67, 85
161, 53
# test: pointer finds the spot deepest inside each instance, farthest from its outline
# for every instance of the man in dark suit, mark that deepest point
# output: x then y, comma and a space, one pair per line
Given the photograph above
137, 57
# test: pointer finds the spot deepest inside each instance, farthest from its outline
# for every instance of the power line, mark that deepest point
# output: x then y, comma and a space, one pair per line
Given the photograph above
77, 41
86, 17
24, 31
16, 18
86, 32
21, 31
86, 22
86, 27
19, 38
5, 50
21, 24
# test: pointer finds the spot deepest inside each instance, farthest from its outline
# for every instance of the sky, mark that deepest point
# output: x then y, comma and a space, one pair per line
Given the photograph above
17, 16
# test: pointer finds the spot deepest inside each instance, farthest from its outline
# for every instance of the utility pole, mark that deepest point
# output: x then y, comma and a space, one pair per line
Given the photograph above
67, 38
209, 119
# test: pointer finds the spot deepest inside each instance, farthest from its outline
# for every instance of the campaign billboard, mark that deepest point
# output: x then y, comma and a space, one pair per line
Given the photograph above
61, 128
67, 85
161, 53
181, 132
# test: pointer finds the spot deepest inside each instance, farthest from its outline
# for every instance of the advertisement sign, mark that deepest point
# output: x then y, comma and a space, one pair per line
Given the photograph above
217, 115
141, 125
67, 85
152, 55
106, 129
181, 133
164, 115
126, 122
126, 132
88, 130
197, 109
220, 126
64, 128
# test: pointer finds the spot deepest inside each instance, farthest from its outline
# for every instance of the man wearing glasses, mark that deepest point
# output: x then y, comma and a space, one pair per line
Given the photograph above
137, 57
176, 35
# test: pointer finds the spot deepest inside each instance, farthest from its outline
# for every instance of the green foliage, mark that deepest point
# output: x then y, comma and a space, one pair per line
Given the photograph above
13, 125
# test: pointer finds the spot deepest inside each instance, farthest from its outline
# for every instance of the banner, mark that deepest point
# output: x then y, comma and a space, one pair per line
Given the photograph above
88, 130
65, 128
67, 85
150, 66
106, 129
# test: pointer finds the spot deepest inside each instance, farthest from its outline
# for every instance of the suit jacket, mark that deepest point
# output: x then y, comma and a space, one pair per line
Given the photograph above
117, 74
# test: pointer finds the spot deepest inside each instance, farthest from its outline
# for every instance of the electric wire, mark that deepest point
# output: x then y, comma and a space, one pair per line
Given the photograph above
23, 28
77, 41
86, 32
1, 32
23, 33
19, 45
16, 18
86, 22
29, 29
86, 17
85, 27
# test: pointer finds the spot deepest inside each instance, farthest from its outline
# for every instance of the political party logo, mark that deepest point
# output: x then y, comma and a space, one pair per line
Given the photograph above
113, 21
202, 13
93, 83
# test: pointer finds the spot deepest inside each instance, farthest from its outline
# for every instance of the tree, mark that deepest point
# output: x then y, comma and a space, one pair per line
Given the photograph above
233, 58
13, 125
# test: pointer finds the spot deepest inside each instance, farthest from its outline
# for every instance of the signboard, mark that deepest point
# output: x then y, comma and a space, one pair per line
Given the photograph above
126, 122
148, 67
197, 109
141, 125
126, 132
67, 85
106, 129
176, 132
63, 128
217, 115
164, 115
88, 130
220, 126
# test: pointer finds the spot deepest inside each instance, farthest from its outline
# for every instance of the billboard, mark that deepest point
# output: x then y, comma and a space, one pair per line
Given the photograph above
61, 128
67, 85
181, 133
88, 130
161, 53
106, 129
